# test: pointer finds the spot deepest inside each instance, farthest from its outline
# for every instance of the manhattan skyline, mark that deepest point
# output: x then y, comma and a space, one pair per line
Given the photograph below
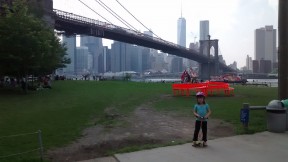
231, 21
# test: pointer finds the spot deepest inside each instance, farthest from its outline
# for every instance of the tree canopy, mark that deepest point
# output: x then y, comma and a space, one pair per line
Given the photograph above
27, 44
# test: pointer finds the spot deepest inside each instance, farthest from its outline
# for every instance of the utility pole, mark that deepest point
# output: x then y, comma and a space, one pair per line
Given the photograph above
209, 46
283, 50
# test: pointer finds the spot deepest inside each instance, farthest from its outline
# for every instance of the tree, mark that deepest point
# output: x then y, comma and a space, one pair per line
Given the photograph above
27, 45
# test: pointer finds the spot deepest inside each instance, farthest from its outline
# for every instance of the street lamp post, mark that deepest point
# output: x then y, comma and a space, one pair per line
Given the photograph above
283, 50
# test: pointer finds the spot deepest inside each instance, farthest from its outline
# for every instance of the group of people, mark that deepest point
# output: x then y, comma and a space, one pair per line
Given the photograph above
45, 82
31, 83
188, 78
12, 82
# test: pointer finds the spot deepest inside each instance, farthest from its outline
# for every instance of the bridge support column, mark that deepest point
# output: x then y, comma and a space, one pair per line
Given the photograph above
216, 57
204, 71
48, 16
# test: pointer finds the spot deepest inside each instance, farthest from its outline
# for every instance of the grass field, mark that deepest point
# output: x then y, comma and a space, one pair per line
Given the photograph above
64, 111
228, 108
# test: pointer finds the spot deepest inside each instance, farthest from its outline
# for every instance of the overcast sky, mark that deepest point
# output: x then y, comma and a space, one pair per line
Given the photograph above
231, 21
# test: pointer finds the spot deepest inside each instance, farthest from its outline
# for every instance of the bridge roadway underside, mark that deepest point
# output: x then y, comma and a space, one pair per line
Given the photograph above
118, 34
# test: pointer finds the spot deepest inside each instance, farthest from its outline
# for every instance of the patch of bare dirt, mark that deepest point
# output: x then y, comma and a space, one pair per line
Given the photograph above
145, 126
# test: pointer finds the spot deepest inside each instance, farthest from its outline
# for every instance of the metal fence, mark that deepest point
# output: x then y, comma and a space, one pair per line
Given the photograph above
40, 144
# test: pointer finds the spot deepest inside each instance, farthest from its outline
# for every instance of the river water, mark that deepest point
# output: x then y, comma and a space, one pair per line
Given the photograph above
270, 82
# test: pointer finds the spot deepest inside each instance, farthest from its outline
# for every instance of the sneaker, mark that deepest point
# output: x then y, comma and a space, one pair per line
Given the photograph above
204, 144
194, 143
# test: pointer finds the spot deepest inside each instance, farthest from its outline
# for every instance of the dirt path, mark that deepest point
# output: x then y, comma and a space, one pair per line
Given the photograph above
145, 126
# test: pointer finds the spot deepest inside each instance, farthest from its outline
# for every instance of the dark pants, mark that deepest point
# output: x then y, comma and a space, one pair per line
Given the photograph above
203, 126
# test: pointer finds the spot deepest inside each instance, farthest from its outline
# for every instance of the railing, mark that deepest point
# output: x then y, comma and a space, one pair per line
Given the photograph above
40, 148
245, 113
85, 20
93, 22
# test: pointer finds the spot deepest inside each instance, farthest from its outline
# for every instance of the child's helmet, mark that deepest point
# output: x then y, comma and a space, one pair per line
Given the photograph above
200, 94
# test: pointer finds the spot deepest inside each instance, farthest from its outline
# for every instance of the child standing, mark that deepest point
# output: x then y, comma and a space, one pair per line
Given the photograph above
202, 112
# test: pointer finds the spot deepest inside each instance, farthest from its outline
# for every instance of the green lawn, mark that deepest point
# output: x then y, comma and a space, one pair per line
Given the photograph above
63, 112
228, 108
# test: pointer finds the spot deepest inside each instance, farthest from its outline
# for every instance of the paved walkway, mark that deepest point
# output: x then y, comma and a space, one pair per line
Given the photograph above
260, 147
105, 159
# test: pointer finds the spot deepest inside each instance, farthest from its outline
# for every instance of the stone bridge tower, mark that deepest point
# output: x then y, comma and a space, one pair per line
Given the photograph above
210, 68
48, 12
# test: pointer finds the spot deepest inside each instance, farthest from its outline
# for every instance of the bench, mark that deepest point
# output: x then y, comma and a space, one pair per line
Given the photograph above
218, 87
185, 88
208, 88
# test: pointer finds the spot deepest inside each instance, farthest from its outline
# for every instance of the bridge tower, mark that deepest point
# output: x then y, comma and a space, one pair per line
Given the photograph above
48, 12
211, 67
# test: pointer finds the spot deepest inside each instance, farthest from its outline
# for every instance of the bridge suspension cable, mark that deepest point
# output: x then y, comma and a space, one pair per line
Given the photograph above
115, 15
94, 11
136, 18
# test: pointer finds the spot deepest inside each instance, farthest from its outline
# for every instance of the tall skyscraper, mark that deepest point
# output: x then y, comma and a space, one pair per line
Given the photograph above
70, 43
137, 59
104, 60
177, 65
249, 63
146, 64
181, 31
204, 29
82, 60
265, 44
120, 56
95, 48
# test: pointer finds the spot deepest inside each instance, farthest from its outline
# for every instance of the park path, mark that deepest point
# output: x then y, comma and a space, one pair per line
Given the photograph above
259, 147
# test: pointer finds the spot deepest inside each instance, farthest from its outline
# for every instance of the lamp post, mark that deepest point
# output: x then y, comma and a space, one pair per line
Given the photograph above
283, 50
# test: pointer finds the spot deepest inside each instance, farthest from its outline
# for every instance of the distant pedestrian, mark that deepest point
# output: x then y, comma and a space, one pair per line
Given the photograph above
23, 84
47, 82
202, 112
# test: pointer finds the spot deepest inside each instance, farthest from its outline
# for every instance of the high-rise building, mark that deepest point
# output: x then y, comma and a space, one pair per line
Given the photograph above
120, 56
104, 60
265, 44
177, 64
70, 44
158, 63
255, 66
146, 64
149, 34
233, 65
95, 47
249, 63
181, 32
137, 59
108, 59
204, 30
265, 66
82, 60
194, 46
